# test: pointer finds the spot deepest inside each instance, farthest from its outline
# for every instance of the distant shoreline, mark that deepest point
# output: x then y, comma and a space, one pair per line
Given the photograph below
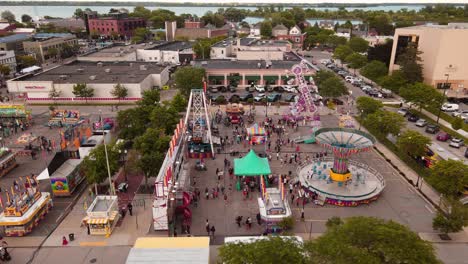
143, 3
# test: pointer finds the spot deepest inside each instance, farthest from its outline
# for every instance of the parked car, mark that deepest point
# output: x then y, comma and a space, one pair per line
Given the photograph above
232, 88
250, 89
386, 93
349, 78
366, 88
274, 97
289, 89
456, 143
443, 136
259, 97
375, 93
223, 89
342, 73
432, 129
466, 153
214, 89
245, 97
269, 88
403, 111
460, 113
450, 107
215, 98
413, 117
421, 122
260, 88
279, 89
289, 98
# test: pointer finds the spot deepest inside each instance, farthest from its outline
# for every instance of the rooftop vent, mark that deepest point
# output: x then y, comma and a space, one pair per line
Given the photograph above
80, 70
259, 65
143, 68
108, 70
63, 77
131, 64
100, 64
132, 76
92, 77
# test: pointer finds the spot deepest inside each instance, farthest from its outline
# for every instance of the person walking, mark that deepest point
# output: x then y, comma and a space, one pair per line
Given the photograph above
130, 208
302, 214
259, 219
207, 227
249, 222
64, 241
225, 199
213, 229
239, 220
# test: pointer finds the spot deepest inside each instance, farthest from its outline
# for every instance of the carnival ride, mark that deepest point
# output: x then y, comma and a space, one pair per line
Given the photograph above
339, 180
273, 205
192, 136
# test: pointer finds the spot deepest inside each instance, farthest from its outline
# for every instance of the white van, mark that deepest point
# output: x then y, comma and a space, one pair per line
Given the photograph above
450, 107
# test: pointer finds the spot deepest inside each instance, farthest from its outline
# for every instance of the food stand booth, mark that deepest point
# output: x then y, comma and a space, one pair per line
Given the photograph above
14, 113
256, 135
250, 169
24, 208
102, 215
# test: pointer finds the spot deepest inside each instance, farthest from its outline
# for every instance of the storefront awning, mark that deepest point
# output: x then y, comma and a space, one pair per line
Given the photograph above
251, 165
286, 78
270, 78
98, 221
252, 78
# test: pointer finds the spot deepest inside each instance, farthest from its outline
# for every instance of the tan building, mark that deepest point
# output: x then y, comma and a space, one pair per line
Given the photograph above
42, 42
443, 53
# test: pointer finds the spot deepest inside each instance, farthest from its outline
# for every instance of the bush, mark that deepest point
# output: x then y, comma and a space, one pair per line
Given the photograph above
457, 123
220, 100
287, 223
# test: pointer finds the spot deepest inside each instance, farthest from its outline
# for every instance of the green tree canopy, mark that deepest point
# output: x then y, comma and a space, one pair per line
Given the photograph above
133, 122
94, 166
266, 29
449, 177
119, 91
82, 90
381, 52
367, 105
141, 34
454, 220
26, 18
150, 98
385, 122
356, 61
188, 78
8, 16
410, 64
179, 103
413, 143
374, 70
321, 76
370, 240
165, 117
422, 95
342, 52
457, 123
4, 70
26, 61
393, 82
358, 44
269, 251
332, 87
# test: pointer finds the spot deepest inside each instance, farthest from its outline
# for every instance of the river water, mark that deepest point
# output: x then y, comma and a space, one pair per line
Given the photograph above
67, 11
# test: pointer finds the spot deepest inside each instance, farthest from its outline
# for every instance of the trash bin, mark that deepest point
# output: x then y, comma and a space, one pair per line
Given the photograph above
71, 236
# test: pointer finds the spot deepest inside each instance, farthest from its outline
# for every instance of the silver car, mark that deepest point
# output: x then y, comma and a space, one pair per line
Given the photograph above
456, 143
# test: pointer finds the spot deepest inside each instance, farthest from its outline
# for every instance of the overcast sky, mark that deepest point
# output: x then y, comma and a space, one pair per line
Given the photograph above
282, 1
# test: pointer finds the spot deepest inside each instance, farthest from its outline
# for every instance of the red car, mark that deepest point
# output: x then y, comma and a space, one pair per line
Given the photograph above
443, 136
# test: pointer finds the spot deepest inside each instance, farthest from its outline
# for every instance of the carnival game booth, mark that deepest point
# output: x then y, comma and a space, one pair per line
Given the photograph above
15, 113
24, 208
234, 113
273, 205
256, 135
250, 169
66, 178
61, 117
7, 161
102, 215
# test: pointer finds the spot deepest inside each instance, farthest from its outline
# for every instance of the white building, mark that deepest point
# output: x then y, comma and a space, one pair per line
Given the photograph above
7, 57
250, 49
173, 52
137, 77
255, 30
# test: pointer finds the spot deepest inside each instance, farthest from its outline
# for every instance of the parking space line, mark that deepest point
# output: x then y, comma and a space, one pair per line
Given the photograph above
429, 209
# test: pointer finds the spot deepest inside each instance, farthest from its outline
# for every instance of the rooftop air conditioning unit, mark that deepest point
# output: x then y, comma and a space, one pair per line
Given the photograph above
92, 77
259, 65
131, 64
63, 77
107, 70
80, 70
100, 64
143, 68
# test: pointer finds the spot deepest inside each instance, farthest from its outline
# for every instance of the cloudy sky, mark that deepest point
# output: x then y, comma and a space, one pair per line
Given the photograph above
282, 1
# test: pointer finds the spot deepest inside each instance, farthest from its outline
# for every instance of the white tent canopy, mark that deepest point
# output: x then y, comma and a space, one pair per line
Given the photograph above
44, 175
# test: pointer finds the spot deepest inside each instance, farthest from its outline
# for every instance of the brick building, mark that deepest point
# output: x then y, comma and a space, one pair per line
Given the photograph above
115, 25
193, 30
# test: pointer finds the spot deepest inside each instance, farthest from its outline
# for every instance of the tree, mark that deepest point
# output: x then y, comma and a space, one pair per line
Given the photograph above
269, 250
356, 61
381, 23
54, 93
188, 78
449, 177
321, 76
52, 52
332, 87
457, 123
367, 105
8, 16
119, 91
374, 70
385, 122
83, 91
422, 95
358, 44
79, 13
334, 222
266, 29
334, 41
152, 146
341, 52
370, 240
26, 18
454, 220
141, 34
133, 122
234, 14
179, 103
26, 61
413, 143
410, 64
150, 98
94, 166
381, 52
202, 48
4, 70
164, 117
393, 82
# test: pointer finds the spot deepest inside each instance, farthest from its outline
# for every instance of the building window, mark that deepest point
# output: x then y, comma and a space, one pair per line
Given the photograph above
298, 40
443, 85
222, 51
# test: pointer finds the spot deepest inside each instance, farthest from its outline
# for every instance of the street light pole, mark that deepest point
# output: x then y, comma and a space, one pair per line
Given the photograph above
443, 98
112, 189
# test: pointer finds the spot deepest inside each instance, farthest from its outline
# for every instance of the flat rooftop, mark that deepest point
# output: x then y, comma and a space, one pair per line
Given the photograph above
252, 42
101, 72
118, 51
449, 26
13, 38
289, 60
172, 46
